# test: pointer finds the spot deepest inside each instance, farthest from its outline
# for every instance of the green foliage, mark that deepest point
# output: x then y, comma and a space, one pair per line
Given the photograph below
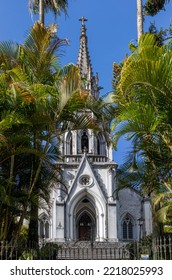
116, 73
29, 254
167, 229
162, 36
49, 251
152, 7
143, 101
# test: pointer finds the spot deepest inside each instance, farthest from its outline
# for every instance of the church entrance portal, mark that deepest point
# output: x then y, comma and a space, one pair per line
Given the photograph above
85, 227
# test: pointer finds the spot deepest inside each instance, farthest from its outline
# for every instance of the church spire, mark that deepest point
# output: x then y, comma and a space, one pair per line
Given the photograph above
84, 62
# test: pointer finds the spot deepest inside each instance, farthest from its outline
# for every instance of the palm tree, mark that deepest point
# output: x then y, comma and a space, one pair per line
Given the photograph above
42, 6
41, 100
143, 97
25, 114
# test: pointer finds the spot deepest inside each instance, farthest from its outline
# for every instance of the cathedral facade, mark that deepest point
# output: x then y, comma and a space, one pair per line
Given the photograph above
90, 209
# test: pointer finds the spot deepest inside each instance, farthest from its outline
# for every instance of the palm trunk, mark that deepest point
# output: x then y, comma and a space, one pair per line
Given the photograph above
33, 223
7, 218
41, 11
7, 221
139, 19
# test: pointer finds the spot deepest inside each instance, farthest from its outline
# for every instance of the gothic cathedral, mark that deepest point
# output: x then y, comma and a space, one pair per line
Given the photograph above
90, 209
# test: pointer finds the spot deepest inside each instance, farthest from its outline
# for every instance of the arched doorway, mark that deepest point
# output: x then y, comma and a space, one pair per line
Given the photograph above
84, 223
85, 227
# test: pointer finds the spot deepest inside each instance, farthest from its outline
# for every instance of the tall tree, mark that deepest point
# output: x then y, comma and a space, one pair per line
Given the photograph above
29, 106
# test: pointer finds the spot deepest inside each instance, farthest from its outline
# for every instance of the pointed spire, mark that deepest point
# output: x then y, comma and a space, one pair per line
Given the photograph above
84, 62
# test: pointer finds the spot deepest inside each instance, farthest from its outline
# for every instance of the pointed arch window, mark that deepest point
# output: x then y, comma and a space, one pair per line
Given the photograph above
127, 228
69, 144
44, 227
84, 142
100, 144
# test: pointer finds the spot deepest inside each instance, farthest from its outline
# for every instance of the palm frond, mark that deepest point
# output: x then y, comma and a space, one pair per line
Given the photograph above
57, 6
9, 54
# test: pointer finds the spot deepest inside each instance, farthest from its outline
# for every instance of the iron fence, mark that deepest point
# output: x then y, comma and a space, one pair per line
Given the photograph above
157, 249
162, 248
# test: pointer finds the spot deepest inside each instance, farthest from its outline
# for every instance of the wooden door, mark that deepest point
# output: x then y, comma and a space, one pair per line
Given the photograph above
85, 227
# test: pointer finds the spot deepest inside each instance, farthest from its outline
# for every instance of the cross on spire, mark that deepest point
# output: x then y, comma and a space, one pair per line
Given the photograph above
83, 19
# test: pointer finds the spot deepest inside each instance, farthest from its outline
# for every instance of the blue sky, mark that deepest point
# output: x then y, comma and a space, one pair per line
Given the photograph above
111, 26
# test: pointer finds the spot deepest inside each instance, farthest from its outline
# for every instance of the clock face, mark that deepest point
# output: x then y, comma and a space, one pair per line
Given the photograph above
85, 180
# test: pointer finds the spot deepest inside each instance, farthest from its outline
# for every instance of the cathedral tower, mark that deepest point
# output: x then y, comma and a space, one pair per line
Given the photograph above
88, 211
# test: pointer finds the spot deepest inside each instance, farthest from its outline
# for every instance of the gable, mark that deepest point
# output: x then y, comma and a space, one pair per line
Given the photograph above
85, 181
